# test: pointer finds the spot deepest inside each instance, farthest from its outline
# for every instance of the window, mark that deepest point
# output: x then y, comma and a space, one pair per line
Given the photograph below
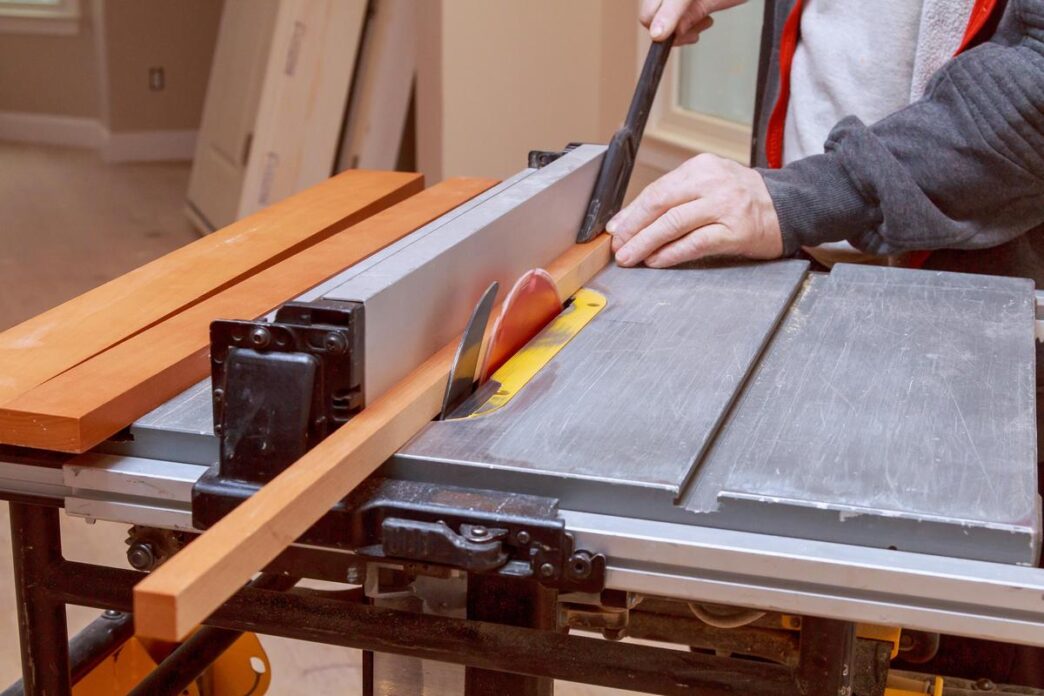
40, 16
706, 101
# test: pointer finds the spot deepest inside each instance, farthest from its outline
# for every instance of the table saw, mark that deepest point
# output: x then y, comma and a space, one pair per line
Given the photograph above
748, 459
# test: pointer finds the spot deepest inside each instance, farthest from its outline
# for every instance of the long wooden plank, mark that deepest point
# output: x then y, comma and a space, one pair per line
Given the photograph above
50, 343
188, 587
88, 403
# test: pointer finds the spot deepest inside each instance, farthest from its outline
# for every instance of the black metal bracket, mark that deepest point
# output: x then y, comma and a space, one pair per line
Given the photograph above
425, 527
480, 531
279, 388
538, 159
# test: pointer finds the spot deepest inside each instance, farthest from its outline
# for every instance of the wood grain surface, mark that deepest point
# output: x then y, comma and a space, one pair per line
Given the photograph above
95, 399
196, 581
51, 343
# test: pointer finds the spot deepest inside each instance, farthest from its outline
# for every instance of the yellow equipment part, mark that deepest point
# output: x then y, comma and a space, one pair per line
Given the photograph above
885, 634
914, 687
243, 670
527, 362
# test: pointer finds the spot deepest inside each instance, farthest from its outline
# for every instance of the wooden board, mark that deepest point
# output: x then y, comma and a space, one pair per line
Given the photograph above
84, 405
196, 581
51, 343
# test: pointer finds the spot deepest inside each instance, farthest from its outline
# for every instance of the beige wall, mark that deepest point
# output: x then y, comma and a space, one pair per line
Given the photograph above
50, 74
178, 35
102, 71
497, 78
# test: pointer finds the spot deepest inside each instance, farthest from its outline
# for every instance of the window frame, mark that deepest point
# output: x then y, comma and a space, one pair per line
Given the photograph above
673, 134
61, 17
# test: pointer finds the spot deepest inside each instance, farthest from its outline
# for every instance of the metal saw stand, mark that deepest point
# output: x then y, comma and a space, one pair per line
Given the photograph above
509, 642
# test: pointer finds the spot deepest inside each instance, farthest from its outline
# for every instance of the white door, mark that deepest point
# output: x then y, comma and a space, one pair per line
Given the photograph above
230, 110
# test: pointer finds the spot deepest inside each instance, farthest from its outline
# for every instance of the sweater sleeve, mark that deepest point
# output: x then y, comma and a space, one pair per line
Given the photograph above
961, 168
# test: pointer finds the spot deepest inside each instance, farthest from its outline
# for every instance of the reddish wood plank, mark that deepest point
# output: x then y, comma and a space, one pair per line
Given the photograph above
88, 403
50, 343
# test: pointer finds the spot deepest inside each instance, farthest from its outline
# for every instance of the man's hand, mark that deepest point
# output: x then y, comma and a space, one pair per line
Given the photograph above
709, 206
683, 18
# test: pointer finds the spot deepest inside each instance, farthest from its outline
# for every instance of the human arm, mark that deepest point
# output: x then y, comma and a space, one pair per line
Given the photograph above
962, 168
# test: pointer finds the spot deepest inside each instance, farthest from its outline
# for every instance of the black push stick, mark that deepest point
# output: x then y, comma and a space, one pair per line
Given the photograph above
618, 163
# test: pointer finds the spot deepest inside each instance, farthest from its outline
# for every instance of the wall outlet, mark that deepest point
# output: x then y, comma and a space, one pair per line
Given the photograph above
157, 80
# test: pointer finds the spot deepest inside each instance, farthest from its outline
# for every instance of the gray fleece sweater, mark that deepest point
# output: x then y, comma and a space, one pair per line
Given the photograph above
961, 168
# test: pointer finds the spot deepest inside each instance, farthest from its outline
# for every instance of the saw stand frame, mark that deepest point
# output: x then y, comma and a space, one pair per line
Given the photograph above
510, 644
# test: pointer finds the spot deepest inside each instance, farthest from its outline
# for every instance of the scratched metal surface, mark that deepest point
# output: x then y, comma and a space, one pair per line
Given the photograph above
894, 408
634, 398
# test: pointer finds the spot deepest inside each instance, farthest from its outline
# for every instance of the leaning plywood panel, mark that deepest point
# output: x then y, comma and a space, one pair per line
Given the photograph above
381, 94
195, 582
53, 342
83, 406
226, 130
303, 99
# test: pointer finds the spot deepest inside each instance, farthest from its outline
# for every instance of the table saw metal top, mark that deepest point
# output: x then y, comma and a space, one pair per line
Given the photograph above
889, 408
873, 406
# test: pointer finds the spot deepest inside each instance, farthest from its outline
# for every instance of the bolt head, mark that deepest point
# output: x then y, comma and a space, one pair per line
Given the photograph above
141, 556
547, 570
522, 537
260, 337
335, 343
580, 565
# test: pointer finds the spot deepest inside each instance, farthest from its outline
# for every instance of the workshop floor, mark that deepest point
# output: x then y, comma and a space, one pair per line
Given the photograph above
69, 222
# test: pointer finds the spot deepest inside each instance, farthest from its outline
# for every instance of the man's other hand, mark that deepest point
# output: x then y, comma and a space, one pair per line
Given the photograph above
709, 206
683, 18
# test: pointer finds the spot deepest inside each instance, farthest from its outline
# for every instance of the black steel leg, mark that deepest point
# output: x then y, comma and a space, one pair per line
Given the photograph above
91, 646
37, 546
367, 673
514, 602
826, 666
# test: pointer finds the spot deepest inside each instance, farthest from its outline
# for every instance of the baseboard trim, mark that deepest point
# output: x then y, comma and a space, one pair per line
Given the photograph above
70, 131
78, 131
150, 146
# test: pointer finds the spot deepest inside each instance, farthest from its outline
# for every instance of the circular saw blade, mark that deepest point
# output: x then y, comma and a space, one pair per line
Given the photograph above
532, 303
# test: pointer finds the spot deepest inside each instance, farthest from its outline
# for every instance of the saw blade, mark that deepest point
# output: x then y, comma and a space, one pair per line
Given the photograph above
465, 371
530, 306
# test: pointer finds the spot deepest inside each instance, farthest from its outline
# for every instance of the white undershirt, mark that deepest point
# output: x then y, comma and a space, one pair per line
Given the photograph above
865, 58
855, 57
